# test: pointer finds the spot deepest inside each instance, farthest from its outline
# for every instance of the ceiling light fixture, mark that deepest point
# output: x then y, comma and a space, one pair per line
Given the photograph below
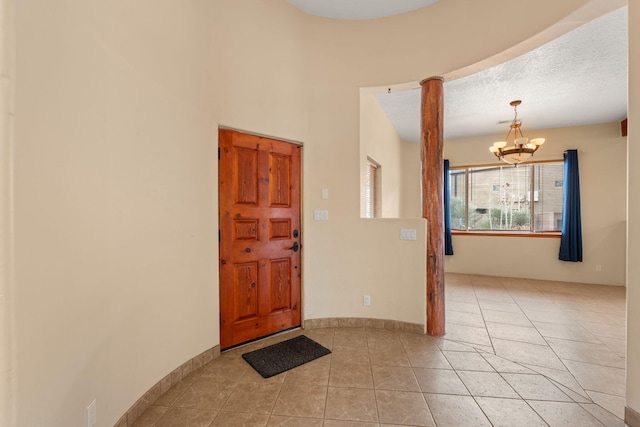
521, 149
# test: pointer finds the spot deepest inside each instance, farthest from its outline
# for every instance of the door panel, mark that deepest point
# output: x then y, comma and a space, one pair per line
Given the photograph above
259, 183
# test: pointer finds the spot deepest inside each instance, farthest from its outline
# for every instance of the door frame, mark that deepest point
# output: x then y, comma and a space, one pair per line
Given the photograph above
300, 146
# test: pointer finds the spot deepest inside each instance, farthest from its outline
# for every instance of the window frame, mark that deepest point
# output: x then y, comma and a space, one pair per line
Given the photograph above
373, 186
501, 233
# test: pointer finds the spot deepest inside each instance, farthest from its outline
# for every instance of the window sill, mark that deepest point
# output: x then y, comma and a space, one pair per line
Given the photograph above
548, 234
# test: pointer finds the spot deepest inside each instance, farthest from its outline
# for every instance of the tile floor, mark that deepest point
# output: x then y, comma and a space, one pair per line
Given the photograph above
516, 353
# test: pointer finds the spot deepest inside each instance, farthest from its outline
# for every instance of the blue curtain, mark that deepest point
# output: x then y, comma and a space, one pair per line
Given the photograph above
571, 241
448, 245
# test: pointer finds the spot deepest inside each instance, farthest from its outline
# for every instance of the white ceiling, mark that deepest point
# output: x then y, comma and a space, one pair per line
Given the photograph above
577, 79
358, 9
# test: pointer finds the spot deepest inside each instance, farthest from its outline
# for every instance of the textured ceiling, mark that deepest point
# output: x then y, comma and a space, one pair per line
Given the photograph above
358, 9
577, 79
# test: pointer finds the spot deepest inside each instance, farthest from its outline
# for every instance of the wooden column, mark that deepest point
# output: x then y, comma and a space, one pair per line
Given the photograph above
432, 157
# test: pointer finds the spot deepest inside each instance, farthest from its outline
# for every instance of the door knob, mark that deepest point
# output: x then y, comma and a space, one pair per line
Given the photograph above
295, 247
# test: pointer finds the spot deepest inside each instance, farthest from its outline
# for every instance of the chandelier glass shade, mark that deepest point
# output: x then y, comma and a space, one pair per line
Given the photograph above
520, 149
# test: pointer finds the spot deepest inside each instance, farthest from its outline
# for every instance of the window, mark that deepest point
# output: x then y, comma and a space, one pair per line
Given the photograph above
372, 190
526, 198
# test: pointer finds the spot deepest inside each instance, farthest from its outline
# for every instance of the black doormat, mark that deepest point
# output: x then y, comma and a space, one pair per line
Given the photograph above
285, 355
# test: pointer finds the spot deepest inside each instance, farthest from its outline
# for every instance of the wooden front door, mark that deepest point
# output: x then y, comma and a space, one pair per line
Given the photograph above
259, 213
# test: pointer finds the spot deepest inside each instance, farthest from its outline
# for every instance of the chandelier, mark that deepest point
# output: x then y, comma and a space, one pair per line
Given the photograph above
521, 148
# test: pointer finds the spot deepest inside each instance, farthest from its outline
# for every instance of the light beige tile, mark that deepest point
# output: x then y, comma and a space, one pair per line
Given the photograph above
564, 380
351, 404
493, 294
225, 368
493, 289
151, 416
446, 344
384, 338
598, 354
407, 337
238, 419
444, 381
604, 416
338, 423
457, 279
509, 412
483, 349
515, 333
403, 408
324, 337
301, 401
313, 373
251, 375
400, 361
462, 318
605, 330
618, 346
415, 342
484, 281
449, 410
543, 305
564, 414
525, 353
500, 306
466, 307
281, 421
257, 398
349, 337
394, 378
613, 315
205, 393
468, 334
568, 332
535, 387
503, 365
576, 397
488, 384
347, 375
174, 393
466, 361
428, 359
350, 354
387, 355
464, 294
180, 417
613, 404
540, 315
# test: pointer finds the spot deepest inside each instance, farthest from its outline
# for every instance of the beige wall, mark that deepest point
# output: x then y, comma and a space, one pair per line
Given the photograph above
7, 284
115, 192
601, 154
633, 254
367, 257
400, 160
380, 141
114, 200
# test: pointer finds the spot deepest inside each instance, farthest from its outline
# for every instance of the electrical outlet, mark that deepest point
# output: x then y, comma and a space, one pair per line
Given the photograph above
598, 267
91, 414
366, 300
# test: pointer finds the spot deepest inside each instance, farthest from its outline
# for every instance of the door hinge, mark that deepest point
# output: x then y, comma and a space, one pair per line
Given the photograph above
219, 236
218, 153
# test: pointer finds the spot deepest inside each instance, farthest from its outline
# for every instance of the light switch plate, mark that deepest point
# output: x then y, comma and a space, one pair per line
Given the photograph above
325, 193
407, 234
321, 215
